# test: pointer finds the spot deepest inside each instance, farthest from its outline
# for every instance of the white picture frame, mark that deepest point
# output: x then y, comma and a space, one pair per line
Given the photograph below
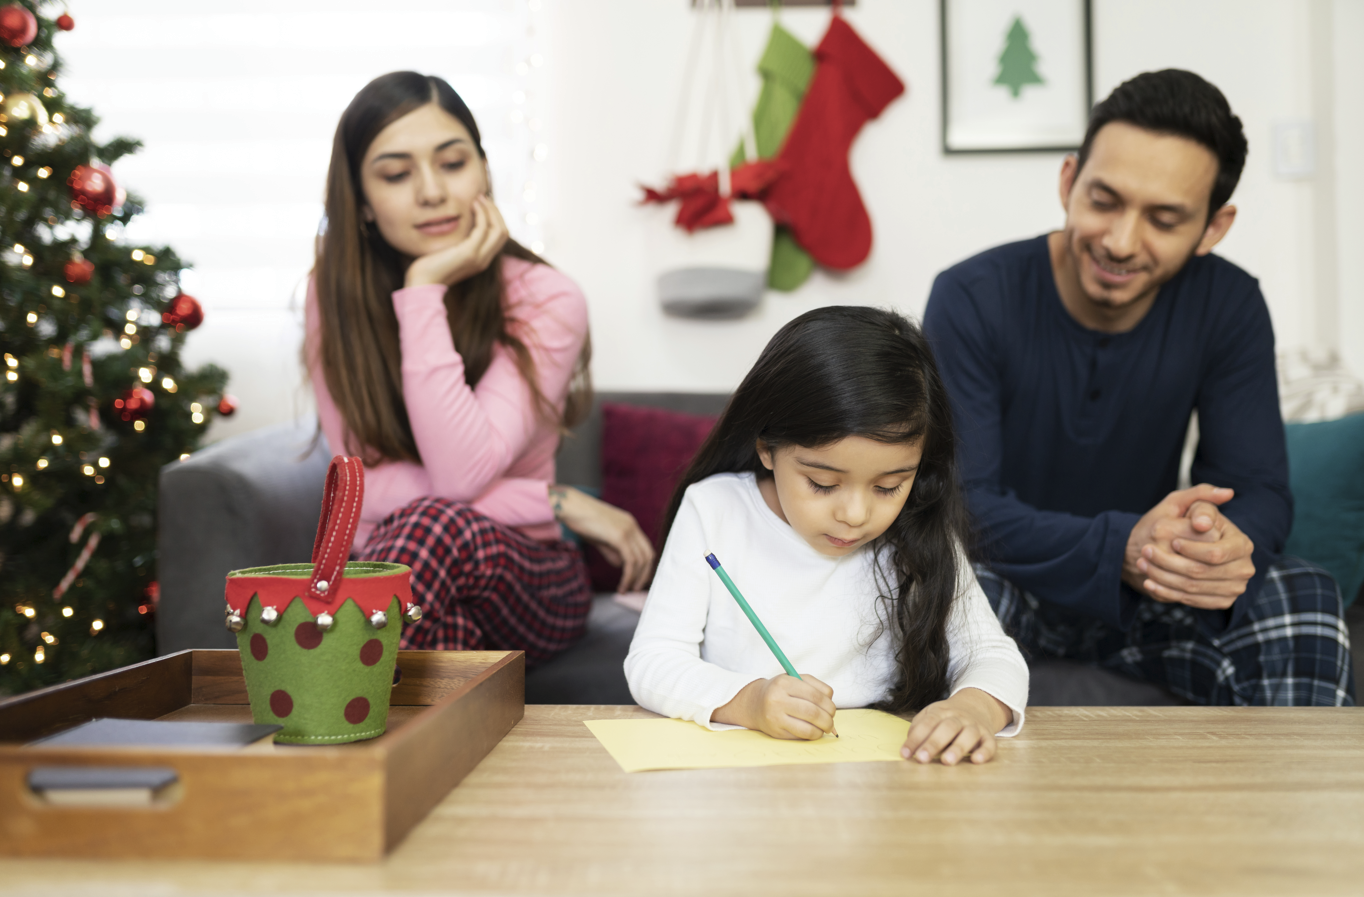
1017, 75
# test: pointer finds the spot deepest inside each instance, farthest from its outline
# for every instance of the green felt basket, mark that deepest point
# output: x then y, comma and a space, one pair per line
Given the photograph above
319, 641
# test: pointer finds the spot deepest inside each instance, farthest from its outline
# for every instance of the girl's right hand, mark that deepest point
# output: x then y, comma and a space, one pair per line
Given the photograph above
466, 258
783, 707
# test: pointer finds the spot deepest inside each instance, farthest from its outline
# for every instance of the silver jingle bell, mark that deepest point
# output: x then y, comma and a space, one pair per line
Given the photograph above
227, 610
269, 616
324, 621
413, 613
378, 619
235, 623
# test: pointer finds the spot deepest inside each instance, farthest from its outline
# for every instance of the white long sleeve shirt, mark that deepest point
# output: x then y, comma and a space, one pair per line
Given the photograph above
694, 649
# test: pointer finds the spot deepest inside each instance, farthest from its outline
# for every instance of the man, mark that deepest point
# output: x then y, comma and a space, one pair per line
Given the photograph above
1074, 361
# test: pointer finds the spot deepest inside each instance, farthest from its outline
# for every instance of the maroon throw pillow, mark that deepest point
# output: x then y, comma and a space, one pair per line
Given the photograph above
644, 453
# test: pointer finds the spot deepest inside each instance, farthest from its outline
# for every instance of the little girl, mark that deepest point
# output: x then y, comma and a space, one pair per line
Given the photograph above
828, 491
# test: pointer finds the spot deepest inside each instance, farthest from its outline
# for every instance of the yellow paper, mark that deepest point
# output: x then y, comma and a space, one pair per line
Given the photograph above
644, 744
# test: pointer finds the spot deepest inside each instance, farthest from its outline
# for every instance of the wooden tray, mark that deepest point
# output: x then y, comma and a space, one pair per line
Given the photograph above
351, 802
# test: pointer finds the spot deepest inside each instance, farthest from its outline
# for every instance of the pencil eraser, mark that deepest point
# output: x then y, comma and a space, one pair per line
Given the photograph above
714, 564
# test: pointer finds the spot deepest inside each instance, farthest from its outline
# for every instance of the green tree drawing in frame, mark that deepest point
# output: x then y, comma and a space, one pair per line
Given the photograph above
1016, 63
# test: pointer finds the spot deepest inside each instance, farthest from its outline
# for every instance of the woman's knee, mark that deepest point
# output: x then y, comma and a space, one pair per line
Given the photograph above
435, 508
421, 523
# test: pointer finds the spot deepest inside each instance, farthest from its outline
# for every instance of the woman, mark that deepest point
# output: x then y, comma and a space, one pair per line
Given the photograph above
451, 359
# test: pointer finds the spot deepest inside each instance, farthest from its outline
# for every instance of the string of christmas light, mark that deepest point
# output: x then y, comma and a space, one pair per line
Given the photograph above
529, 123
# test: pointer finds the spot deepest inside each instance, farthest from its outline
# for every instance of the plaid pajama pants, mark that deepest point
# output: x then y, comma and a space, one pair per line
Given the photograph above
482, 585
1290, 648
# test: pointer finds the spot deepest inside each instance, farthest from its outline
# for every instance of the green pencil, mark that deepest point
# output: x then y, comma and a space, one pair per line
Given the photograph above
752, 617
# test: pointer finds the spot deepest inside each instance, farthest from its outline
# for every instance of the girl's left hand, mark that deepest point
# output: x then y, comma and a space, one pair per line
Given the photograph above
960, 727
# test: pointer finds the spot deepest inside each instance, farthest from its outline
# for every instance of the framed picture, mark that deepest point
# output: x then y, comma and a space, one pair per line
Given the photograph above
1016, 75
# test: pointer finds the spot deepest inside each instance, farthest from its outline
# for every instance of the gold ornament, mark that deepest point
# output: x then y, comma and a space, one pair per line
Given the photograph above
25, 106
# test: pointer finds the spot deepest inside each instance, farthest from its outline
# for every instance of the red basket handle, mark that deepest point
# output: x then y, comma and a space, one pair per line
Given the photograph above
341, 501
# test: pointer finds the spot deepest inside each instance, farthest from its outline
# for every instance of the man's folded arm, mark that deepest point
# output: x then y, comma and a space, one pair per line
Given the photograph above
1076, 561
1241, 441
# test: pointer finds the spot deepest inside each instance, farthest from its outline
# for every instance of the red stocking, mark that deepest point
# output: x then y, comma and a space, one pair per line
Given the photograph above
815, 196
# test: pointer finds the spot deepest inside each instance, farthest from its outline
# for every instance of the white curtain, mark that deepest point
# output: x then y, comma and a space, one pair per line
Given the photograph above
236, 110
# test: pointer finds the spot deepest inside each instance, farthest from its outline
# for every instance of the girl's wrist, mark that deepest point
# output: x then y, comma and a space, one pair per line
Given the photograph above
744, 708
416, 279
557, 496
992, 711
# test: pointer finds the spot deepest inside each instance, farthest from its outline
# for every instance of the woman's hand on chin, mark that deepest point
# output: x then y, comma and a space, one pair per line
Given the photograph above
466, 258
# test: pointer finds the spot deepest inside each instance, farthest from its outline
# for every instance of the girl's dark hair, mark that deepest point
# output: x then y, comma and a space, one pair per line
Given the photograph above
849, 371
357, 271
1173, 101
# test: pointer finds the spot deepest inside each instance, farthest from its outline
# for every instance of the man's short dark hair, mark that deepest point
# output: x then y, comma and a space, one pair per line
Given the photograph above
1177, 102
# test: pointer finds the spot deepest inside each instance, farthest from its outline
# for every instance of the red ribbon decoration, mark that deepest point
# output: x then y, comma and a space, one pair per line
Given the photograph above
702, 204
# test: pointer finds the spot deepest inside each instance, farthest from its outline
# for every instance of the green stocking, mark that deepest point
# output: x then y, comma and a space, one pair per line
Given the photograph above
786, 68
790, 265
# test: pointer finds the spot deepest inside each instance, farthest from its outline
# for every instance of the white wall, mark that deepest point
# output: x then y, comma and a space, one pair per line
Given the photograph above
237, 110
1347, 26
619, 100
613, 112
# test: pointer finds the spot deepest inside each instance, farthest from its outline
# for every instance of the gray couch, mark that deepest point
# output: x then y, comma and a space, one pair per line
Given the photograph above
254, 499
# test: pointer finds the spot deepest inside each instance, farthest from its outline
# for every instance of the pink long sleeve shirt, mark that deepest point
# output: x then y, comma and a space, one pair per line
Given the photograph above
487, 445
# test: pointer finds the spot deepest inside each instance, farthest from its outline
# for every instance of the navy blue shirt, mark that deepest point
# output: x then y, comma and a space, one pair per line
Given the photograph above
1069, 435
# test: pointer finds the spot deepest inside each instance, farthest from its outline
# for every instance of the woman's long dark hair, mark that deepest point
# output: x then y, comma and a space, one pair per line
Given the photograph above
357, 271
848, 371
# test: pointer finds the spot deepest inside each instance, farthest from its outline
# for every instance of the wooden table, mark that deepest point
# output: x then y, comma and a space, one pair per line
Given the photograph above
1088, 801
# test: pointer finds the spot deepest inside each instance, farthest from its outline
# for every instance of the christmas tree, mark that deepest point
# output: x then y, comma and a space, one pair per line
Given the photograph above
93, 398
1016, 62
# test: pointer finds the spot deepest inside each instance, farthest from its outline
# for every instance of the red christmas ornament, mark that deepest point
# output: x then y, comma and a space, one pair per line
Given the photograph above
183, 313
153, 596
17, 25
79, 270
120, 195
228, 406
65, 22
136, 403
92, 189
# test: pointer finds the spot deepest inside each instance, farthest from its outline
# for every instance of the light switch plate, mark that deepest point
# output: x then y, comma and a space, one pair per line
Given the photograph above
1295, 149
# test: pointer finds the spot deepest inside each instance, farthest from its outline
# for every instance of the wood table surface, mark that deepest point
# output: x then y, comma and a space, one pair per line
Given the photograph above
1087, 801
